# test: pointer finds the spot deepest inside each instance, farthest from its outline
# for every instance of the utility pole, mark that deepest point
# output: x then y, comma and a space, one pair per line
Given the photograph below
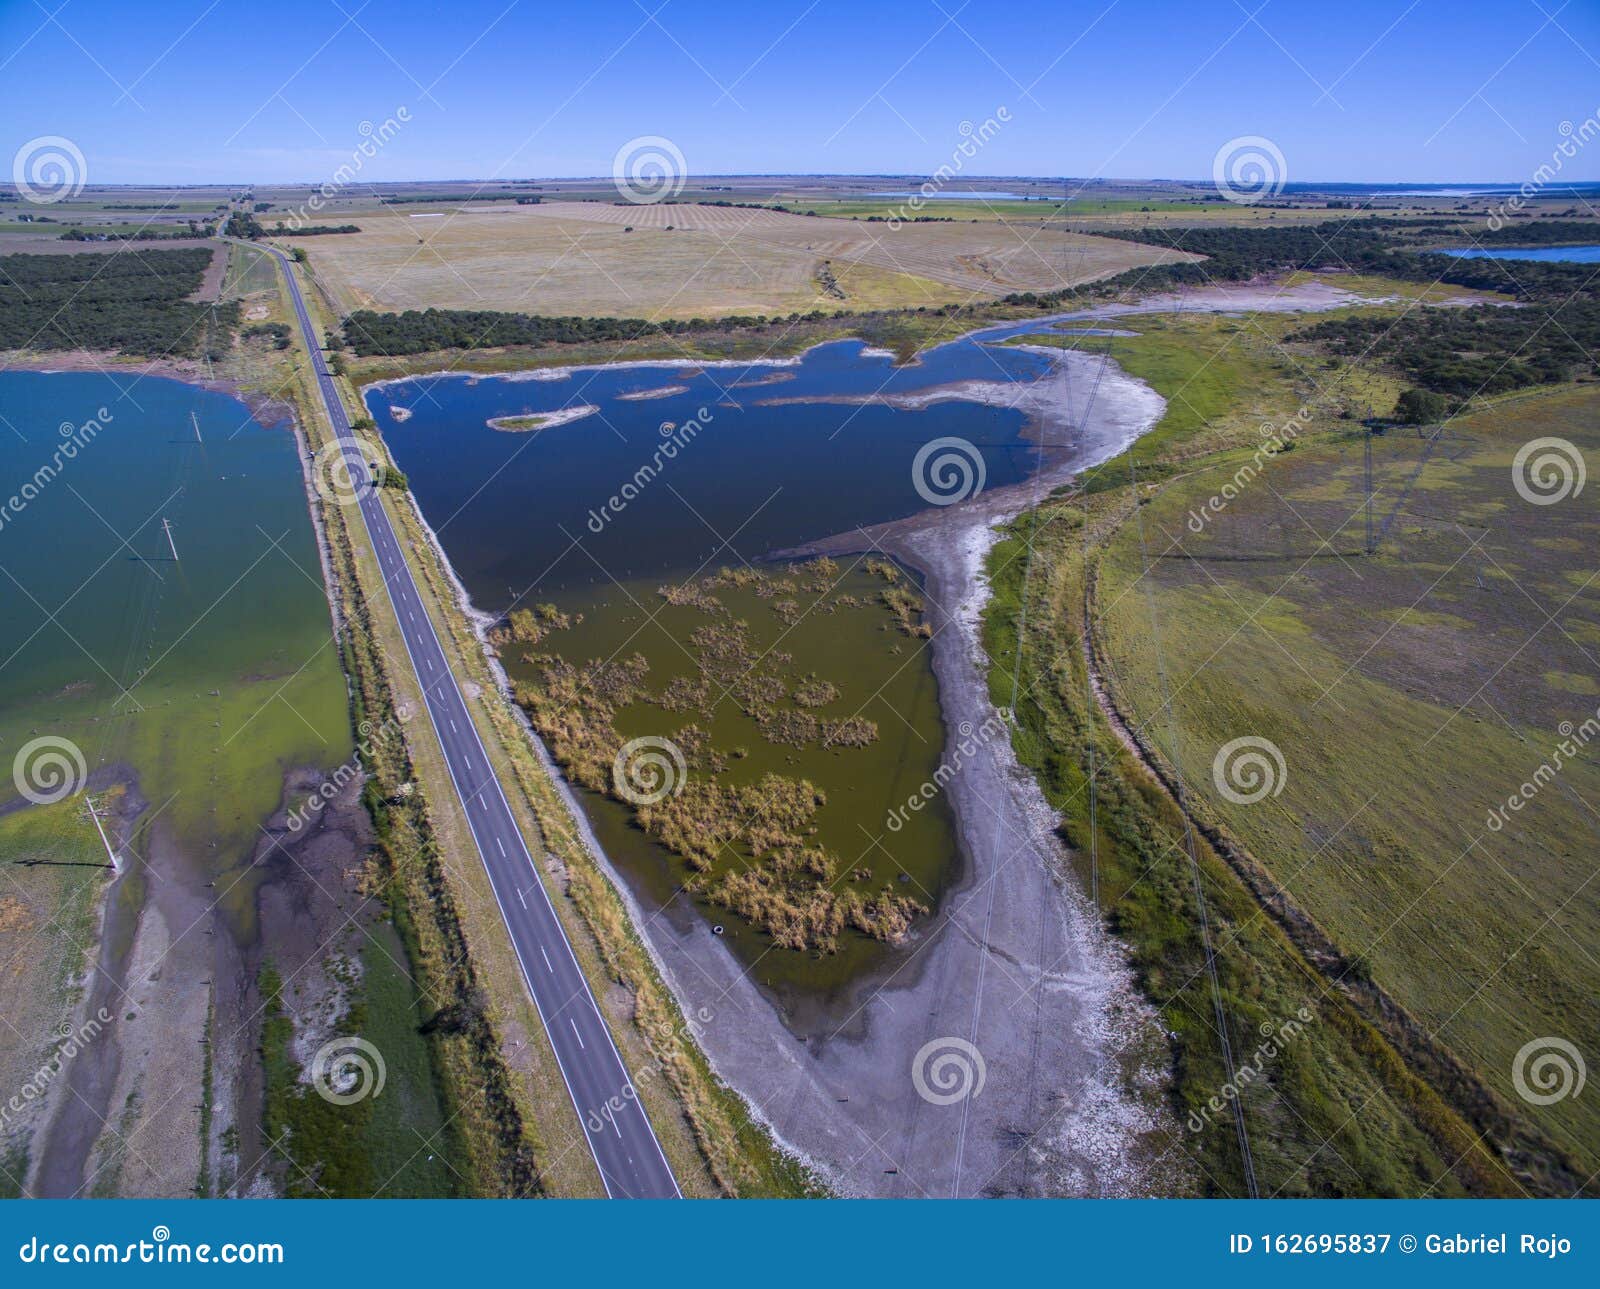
166, 527
116, 863
195, 421
1367, 453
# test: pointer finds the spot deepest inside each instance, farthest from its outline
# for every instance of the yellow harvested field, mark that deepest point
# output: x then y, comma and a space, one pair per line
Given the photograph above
684, 261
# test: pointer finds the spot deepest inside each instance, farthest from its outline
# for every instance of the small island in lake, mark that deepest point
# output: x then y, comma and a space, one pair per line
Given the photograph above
528, 422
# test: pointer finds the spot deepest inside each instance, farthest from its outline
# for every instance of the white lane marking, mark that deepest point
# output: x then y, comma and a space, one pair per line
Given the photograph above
546, 958
522, 901
579, 1037
453, 728
370, 503
502, 846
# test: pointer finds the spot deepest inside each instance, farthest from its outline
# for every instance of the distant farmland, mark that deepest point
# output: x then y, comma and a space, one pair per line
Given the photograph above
684, 261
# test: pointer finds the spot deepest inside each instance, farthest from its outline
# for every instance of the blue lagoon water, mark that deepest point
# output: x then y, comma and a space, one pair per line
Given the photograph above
764, 471
1547, 254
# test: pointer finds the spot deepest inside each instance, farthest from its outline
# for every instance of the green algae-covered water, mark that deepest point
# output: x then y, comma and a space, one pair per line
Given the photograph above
206, 676
834, 641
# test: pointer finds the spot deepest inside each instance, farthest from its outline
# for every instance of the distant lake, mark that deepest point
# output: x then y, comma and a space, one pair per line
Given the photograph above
1549, 254
953, 196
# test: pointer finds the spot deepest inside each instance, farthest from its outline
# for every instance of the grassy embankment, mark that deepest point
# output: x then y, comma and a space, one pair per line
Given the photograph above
710, 1139
1339, 1110
50, 900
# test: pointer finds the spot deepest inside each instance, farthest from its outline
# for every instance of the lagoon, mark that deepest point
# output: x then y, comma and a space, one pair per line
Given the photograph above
1544, 254
590, 517
766, 467
207, 674
166, 648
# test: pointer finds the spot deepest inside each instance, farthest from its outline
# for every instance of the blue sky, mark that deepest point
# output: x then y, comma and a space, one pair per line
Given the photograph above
228, 90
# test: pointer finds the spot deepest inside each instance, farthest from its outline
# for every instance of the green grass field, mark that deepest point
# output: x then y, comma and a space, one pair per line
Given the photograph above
249, 270
1330, 1110
1409, 692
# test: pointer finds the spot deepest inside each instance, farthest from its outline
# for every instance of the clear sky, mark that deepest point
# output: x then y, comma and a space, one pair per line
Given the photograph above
1348, 90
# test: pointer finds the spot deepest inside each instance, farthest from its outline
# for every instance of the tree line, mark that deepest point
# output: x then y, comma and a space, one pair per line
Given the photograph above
130, 302
193, 230
419, 331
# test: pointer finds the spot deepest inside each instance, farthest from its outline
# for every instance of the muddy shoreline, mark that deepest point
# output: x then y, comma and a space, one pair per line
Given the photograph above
191, 371
126, 1117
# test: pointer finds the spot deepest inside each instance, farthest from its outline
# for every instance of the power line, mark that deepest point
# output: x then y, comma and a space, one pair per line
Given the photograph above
1247, 1160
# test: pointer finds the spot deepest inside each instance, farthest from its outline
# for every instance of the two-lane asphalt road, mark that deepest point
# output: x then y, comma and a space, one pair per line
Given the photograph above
610, 1116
